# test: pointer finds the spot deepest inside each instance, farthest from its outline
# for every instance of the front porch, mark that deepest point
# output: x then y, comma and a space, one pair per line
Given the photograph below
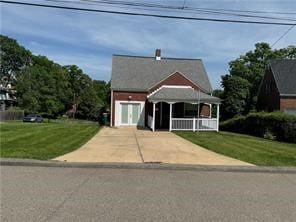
182, 108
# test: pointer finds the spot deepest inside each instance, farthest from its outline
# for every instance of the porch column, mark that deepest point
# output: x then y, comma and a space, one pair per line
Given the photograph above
210, 110
198, 112
217, 118
153, 123
171, 107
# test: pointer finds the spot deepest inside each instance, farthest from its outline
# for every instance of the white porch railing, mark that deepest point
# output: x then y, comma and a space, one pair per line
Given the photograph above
195, 124
150, 121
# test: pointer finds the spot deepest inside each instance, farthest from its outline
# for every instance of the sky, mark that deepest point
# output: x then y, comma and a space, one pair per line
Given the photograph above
90, 39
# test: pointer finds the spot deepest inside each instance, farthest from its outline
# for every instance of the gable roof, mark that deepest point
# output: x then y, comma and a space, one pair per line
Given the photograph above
284, 72
136, 73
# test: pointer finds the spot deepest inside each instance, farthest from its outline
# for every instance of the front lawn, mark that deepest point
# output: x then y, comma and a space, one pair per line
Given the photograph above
250, 149
43, 140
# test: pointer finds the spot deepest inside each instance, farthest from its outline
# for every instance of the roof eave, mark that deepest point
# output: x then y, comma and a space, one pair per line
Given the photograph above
129, 90
283, 94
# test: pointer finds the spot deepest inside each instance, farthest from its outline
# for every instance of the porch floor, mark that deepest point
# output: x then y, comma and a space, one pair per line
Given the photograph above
129, 144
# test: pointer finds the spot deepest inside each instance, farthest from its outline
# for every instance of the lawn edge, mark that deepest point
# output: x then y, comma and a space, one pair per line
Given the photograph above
234, 157
151, 166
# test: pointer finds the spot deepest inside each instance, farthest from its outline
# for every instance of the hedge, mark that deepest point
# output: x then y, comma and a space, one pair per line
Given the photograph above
278, 125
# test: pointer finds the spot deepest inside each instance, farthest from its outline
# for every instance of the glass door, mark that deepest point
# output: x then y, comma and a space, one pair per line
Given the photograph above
135, 115
130, 113
124, 113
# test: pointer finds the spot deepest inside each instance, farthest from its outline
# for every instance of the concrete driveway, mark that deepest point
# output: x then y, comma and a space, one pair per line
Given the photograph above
139, 146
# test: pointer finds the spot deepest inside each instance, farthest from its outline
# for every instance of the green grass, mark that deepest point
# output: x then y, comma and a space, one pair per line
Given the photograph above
251, 149
43, 140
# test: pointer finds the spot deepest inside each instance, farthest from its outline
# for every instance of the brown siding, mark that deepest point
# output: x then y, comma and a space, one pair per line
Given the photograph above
287, 102
175, 79
268, 99
136, 96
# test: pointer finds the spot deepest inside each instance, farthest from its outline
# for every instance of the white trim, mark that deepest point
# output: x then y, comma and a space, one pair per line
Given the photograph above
169, 86
117, 112
177, 86
111, 116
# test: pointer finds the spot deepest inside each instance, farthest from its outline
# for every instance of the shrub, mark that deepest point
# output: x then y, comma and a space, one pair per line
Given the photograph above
277, 125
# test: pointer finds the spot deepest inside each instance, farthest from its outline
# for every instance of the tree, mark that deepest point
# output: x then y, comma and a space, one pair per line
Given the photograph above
88, 96
103, 92
13, 58
236, 92
42, 88
251, 68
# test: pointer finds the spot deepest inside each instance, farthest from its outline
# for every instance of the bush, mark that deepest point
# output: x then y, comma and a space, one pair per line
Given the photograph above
277, 125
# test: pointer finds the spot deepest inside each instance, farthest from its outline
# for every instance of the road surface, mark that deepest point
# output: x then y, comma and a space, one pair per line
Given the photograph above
96, 194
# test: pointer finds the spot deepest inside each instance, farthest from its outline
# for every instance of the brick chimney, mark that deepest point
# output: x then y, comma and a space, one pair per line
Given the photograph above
157, 54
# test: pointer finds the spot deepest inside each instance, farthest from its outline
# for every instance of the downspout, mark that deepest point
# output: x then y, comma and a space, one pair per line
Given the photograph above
111, 116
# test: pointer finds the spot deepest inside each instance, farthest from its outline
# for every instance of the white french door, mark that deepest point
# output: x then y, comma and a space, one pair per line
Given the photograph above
130, 113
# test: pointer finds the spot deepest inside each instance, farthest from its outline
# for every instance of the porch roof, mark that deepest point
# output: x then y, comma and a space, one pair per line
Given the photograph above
188, 95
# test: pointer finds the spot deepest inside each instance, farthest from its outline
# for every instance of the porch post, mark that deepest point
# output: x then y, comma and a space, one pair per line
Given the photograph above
171, 107
218, 117
198, 108
153, 123
210, 110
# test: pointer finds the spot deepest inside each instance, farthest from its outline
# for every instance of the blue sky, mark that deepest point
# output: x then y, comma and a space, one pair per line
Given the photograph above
90, 39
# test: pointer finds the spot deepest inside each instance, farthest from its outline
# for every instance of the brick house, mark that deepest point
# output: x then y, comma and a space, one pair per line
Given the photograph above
278, 87
161, 93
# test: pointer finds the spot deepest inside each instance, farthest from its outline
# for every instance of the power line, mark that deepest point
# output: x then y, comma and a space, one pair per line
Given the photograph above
183, 8
150, 7
252, 11
147, 15
187, 7
283, 35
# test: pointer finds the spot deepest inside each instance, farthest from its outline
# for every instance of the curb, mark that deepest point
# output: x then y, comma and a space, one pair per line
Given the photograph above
151, 166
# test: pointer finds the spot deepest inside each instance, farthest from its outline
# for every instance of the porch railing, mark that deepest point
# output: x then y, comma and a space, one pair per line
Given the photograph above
195, 124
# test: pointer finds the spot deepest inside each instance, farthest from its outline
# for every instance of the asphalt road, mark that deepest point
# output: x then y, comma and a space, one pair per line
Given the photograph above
81, 194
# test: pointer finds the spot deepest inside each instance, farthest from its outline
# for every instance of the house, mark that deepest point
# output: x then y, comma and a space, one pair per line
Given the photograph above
162, 93
278, 87
6, 97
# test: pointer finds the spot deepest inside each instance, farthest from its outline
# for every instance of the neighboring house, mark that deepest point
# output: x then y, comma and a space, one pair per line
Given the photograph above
278, 87
162, 93
6, 97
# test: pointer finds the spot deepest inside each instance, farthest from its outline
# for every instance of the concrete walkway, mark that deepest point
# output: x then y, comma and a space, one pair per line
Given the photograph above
138, 146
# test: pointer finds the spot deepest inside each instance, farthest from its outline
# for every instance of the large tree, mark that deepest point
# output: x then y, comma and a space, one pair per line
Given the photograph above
88, 96
43, 88
247, 72
13, 58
